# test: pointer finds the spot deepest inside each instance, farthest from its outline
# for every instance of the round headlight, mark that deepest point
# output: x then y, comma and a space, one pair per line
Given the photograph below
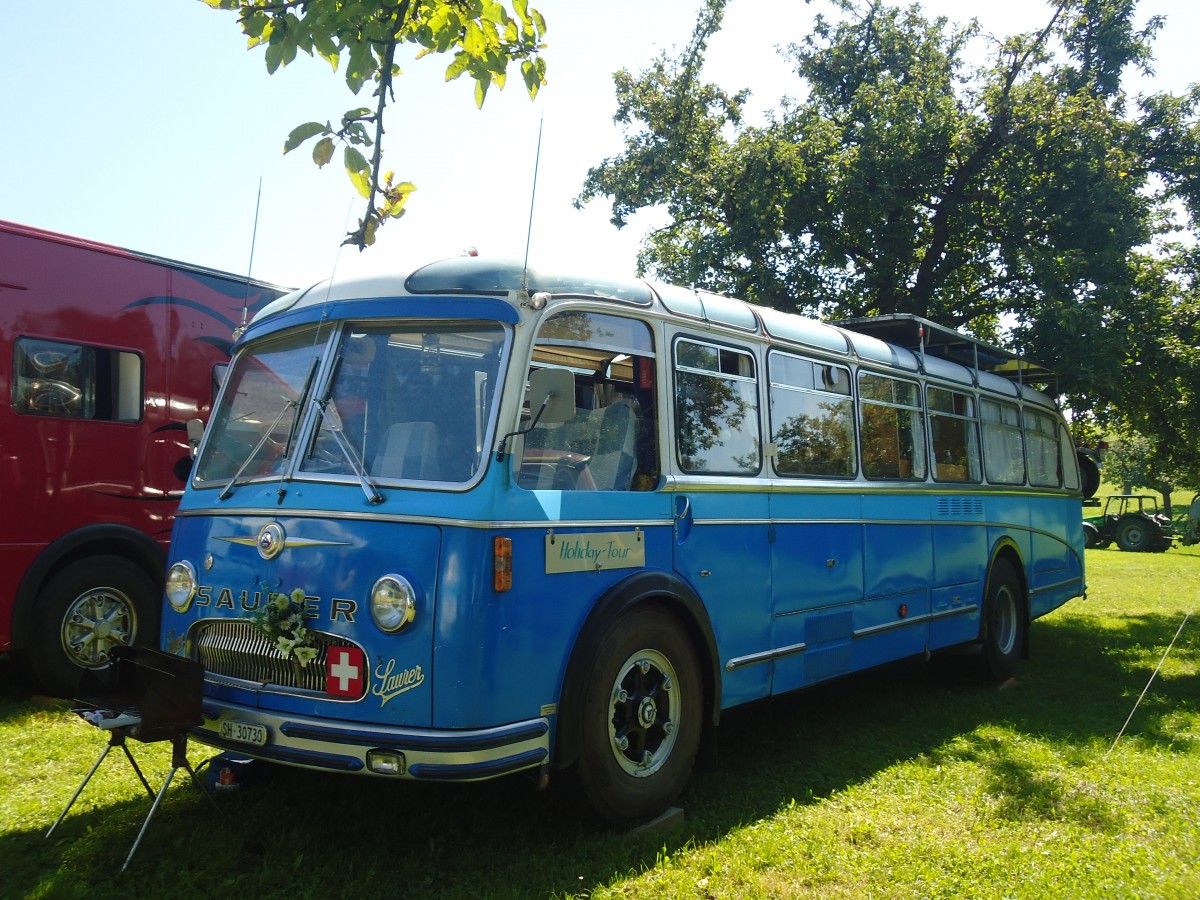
181, 585
393, 602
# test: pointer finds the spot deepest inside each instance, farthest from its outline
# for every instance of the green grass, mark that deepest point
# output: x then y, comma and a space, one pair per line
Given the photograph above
913, 781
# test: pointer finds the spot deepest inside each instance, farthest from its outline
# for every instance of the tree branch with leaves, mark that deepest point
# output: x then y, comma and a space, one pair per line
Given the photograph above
482, 36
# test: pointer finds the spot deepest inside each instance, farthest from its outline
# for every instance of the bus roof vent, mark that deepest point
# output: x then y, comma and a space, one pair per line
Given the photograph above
473, 275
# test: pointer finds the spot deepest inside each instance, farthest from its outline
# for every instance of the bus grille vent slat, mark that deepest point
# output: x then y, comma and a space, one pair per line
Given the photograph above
235, 648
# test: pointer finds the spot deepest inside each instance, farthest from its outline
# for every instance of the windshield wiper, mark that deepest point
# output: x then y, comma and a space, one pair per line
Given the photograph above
308, 383
333, 420
228, 489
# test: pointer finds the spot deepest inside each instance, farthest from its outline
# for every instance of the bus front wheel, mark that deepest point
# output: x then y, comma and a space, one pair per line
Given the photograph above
1003, 627
641, 714
90, 607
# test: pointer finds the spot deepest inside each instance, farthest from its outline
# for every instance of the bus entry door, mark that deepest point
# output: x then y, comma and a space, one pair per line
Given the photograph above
722, 551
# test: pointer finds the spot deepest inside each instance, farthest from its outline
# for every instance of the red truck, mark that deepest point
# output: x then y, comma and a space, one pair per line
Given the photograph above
105, 354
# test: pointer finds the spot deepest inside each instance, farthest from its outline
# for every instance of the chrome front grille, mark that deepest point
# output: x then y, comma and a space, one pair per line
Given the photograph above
235, 648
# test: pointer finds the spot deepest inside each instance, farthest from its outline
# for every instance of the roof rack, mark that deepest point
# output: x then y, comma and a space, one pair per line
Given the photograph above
923, 336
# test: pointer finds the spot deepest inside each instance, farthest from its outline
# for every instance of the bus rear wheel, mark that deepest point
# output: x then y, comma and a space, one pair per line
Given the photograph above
641, 718
1003, 627
83, 613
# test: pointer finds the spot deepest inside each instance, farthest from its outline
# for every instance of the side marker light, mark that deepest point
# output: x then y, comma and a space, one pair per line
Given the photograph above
502, 558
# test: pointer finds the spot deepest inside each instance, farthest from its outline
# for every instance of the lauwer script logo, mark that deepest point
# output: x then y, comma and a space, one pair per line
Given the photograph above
389, 683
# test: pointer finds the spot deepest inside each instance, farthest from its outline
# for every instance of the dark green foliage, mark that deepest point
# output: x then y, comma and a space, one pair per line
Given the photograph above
1030, 200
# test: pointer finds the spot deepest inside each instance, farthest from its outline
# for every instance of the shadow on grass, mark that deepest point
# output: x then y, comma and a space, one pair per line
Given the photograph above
13, 687
310, 834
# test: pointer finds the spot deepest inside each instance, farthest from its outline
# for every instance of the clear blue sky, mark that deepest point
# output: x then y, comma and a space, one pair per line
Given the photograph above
147, 124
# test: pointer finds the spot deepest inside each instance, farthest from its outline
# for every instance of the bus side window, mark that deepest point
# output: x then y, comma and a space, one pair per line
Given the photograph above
812, 417
892, 427
1002, 458
611, 443
716, 410
955, 440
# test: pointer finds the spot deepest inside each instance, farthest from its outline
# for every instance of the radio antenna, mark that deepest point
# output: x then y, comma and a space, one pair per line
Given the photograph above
537, 158
250, 266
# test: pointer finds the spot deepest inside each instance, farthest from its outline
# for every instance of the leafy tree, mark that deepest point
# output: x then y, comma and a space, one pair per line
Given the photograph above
1134, 462
482, 36
1028, 200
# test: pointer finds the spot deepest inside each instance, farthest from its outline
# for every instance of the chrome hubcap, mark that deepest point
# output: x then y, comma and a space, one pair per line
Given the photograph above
1006, 621
98, 621
645, 707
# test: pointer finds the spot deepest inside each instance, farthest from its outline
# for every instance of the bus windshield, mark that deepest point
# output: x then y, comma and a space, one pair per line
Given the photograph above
406, 402
254, 427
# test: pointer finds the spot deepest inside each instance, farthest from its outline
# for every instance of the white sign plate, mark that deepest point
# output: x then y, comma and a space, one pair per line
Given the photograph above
595, 550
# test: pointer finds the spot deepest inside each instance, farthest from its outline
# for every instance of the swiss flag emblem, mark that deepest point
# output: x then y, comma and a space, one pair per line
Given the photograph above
345, 670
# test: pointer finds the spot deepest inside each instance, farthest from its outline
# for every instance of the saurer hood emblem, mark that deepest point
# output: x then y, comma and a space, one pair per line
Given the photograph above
271, 540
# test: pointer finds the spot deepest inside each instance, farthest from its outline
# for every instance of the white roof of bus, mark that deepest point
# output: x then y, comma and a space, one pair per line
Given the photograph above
496, 278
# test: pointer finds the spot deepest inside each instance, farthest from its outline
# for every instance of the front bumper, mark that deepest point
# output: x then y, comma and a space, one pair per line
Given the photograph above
426, 754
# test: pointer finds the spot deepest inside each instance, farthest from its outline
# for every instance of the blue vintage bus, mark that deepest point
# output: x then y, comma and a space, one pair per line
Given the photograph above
481, 519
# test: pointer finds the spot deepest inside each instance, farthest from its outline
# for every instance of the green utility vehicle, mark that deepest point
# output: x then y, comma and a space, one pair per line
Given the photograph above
1133, 521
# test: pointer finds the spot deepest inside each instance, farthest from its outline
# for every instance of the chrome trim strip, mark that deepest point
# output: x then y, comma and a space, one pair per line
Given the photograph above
762, 485
771, 655
477, 771
442, 521
512, 525
766, 656
288, 543
894, 625
922, 619
907, 592
1068, 583
581, 523
954, 611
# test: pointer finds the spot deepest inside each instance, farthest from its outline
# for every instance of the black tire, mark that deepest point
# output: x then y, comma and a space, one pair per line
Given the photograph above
1003, 625
82, 613
1091, 537
1135, 534
641, 710
1089, 474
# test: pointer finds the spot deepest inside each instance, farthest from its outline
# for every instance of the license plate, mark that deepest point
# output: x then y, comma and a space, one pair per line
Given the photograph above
244, 732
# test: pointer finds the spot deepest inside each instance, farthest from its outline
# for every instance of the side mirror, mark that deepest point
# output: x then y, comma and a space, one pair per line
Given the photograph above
195, 431
552, 392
